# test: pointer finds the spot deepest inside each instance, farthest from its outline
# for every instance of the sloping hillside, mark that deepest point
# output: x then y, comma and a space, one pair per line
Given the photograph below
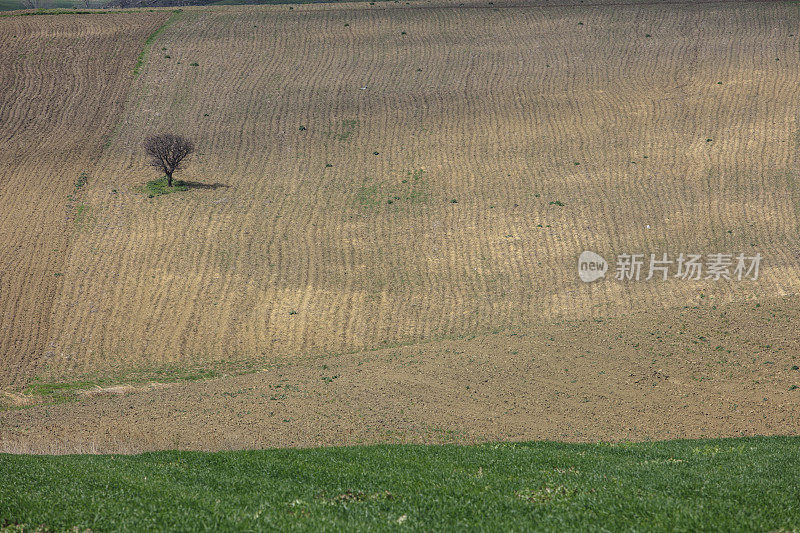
372, 175
379, 189
63, 81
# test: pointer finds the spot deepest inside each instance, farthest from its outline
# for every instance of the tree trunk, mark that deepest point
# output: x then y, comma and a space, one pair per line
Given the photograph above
169, 179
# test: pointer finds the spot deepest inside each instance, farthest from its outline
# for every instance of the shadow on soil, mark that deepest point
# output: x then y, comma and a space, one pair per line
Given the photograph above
204, 186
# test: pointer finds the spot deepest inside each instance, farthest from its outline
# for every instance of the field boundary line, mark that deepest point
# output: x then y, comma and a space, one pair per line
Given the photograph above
148, 43
140, 59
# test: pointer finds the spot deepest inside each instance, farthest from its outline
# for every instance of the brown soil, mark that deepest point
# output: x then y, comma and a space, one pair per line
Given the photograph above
369, 176
280, 255
684, 373
63, 81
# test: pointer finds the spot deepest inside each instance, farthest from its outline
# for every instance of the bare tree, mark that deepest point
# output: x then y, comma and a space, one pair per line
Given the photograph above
31, 4
167, 152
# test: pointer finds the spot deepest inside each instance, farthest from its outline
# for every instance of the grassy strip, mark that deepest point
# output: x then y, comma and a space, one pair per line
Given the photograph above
54, 392
148, 43
41, 392
61, 391
747, 484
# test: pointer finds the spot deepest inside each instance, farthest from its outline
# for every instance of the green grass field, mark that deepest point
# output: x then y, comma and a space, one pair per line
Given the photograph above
747, 484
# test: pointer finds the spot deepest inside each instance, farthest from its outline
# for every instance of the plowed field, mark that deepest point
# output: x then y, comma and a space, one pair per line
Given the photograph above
371, 176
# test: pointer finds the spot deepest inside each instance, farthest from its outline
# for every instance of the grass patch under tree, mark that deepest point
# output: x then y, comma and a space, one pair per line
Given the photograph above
158, 187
